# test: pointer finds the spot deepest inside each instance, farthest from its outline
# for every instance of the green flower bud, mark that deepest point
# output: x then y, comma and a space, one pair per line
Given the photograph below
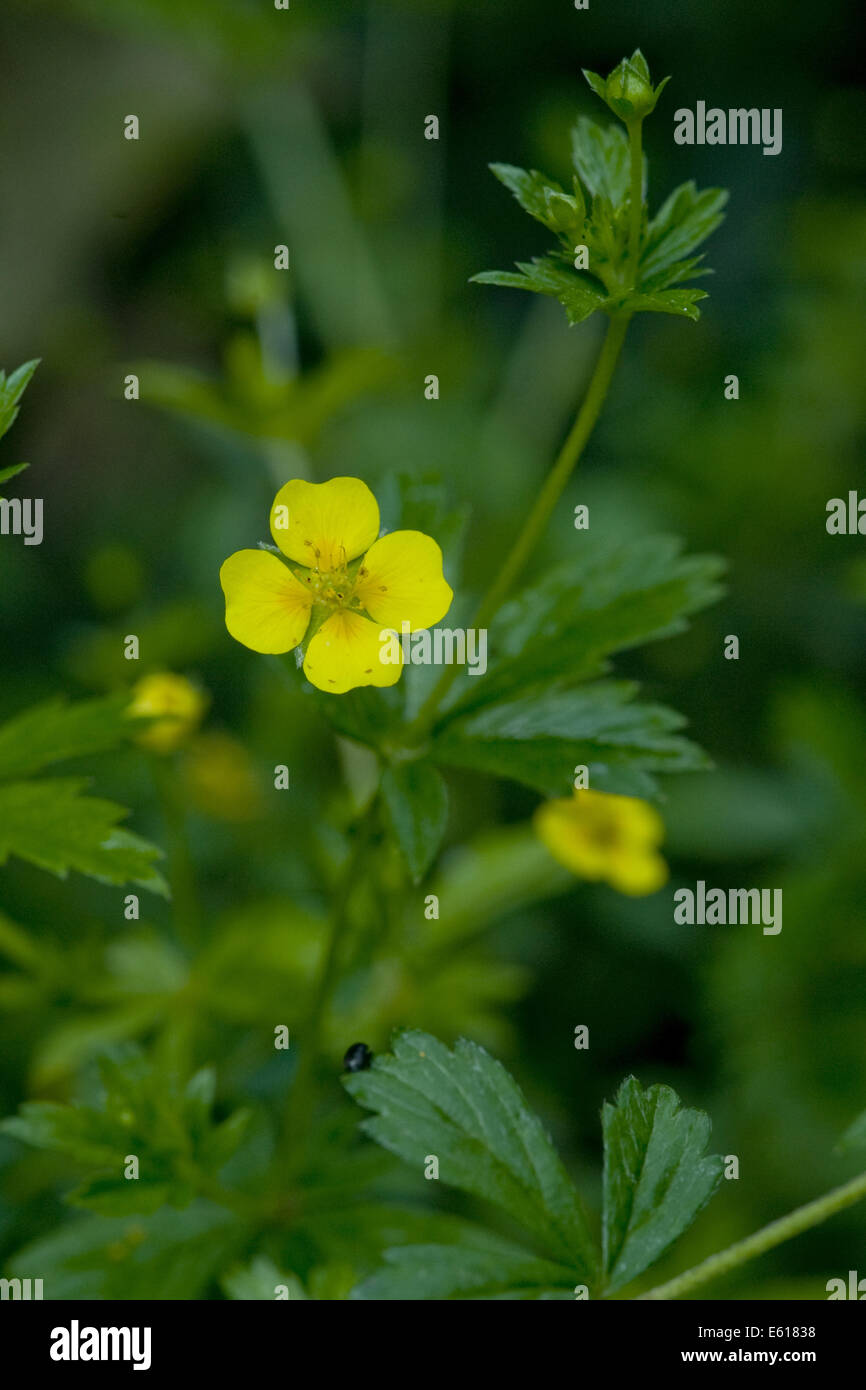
628, 90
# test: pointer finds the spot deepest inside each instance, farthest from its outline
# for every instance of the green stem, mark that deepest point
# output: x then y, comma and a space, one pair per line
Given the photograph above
635, 213
539, 516
302, 1095
181, 866
803, 1219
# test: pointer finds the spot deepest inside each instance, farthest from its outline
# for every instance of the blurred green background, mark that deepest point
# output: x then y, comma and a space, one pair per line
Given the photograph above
156, 257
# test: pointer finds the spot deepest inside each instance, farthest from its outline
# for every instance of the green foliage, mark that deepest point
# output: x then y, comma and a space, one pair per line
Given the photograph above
599, 219
51, 821
144, 1113
656, 1177
539, 738
416, 799
464, 1108
488, 1268
12, 388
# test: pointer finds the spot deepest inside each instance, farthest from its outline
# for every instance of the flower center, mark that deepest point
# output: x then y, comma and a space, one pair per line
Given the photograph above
334, 589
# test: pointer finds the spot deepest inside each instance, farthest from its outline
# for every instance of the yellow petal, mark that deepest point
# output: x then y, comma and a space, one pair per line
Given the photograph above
347, 652
569, 841
324, 525
267, 608
637, 873
401, 581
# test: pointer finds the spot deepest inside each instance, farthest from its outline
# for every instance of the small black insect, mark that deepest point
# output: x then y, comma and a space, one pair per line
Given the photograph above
358, 1057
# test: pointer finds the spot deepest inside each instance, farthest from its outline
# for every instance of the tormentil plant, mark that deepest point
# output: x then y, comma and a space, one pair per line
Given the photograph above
330, 590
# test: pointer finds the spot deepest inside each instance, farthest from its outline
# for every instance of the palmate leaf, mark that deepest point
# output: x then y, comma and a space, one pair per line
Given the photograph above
539, 739
464, 1108
656, 1176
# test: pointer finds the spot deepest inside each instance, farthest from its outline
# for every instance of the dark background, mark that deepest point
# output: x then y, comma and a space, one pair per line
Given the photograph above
306, 127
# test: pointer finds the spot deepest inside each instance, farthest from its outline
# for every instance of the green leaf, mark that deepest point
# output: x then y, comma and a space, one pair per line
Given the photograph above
54, 731
679, 302
416, 800
12, 388
119, 1196
601, 158
596, 82
50, 822
7, 473
544, 276
457, 1271
656, 1176
544, 199
53, 825
464, 1107
607, 599
539, 739
682, 223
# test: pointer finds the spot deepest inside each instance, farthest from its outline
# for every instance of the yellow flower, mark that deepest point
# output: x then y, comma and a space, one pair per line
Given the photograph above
600, 836
345, 601
174, 704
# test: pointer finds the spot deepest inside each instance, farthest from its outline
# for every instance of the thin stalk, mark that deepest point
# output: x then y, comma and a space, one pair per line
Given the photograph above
539, 516
302, 1095
635, 214
181, 865
802, 1219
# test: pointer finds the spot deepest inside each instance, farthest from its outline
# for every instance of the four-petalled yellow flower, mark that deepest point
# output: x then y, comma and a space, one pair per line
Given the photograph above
343, 589
597, 835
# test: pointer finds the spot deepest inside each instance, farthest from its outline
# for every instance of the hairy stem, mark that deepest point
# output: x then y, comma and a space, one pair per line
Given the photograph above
803, 1219
539, 516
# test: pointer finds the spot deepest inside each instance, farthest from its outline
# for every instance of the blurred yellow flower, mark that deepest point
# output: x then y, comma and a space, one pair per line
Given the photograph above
221, 778
601, 836
323, 528
175, 705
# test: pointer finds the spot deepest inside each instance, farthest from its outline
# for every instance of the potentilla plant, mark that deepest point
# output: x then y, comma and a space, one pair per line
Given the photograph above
356, 614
